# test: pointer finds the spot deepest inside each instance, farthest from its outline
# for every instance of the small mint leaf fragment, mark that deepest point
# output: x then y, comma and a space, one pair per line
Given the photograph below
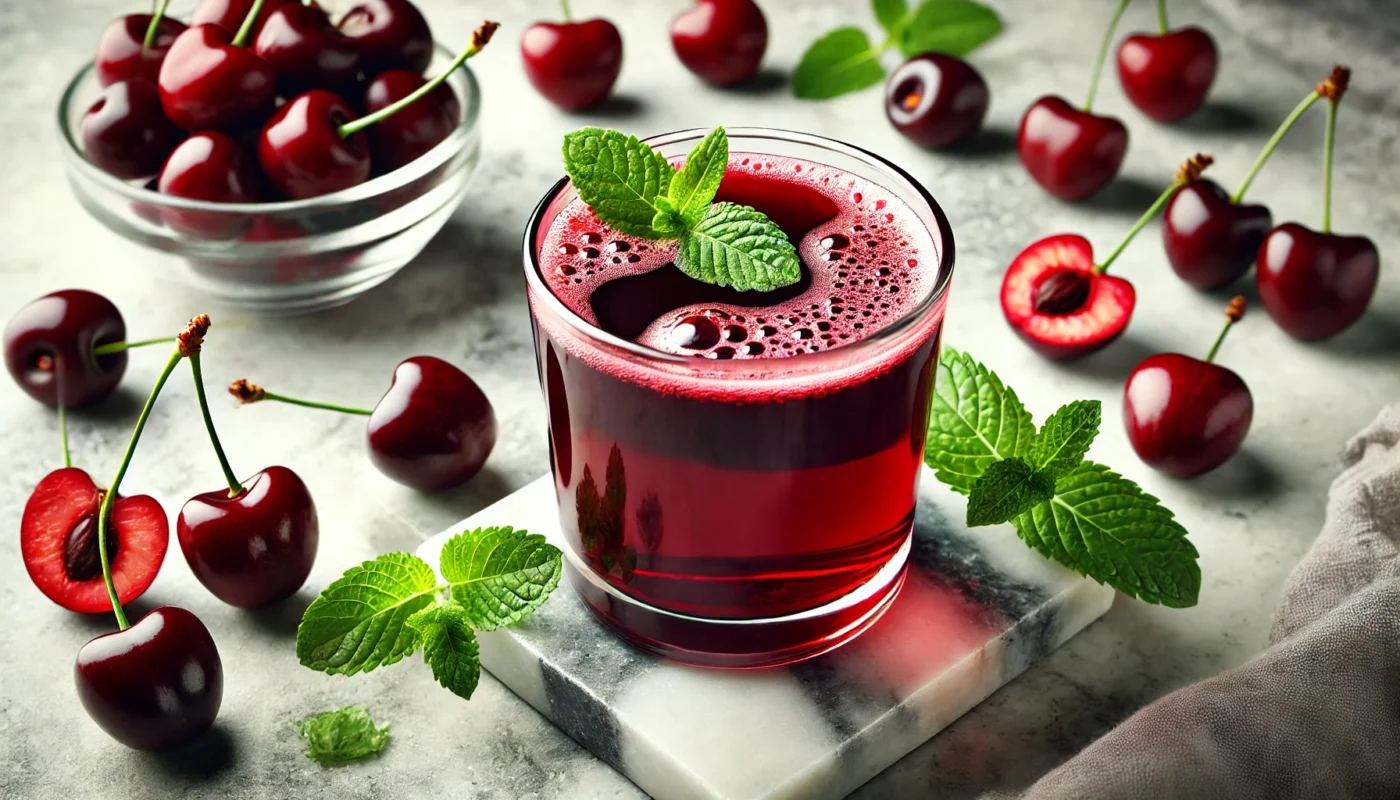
1008, 488
499, 576
974, 421
358, 622
739, 247
891, 14
1065, 437
955, 27
619, 177
335, 738
697, 182
449, 647
838, 63
668, 221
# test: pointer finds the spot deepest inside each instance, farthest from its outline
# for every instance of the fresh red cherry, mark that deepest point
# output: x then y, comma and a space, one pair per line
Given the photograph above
213, 167
572, 64
155, 685
122, 54
58, 542
306, 50
1168, 76
231, 14
209, 80
1316, 285
418, 128
1186, 416
391, 34
1071, 153
1210, 239
722, 41
51, 348
936, 100
126, 132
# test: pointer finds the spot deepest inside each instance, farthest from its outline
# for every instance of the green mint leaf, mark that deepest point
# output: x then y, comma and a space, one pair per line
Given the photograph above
668, 221
955, 27
1065, 437
697, 182
618, 177
1007, 489
449, 647
838, 63
891, 14
737, 246
499, 576
334, 738
357, 623
1104, 526
974, 421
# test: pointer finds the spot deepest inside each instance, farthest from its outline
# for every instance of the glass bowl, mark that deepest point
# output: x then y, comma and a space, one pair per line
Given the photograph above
284, 257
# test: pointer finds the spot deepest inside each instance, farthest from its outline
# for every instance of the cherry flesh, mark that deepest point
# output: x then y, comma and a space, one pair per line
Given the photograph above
721, 41
58, 542
1168, 76
255, 548
306, 50
230, 14
572, 64
156, 685
1057, 301
122, 54
126, 133
1210, 240
302, 152
213, 167
391, 34
1069, 152
936, 100
1316, 285
1185, 416
434, 428
418, 128
208, 82
50, 348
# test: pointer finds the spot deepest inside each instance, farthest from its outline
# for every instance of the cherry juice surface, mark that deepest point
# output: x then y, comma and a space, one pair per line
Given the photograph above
727, 490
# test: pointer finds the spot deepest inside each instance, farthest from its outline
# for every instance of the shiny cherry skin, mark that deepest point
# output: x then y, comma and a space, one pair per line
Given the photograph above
1210, 240
936, 100
391, 34
302, 152
255, 548
434, 428
307, 51
230, 14
1316, 285
1168, 76
213, 167
1069, 152
572, 64
50, 344
156, 685
121, 51
1059, 304
721, 41
1185, 416
417, 128
206, 82
126, 133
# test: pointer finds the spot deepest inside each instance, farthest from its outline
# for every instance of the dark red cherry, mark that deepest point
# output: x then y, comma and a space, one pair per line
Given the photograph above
58, 542
121, 51
302, 152
307, 51
1210, 240
936, 100
156, 685
418, 128
1071, 153
1168, 76
230, 14
213, 167
126, 132
722, 41
1185, 416
208, 82
434, 428
391, 34
572, 64
1316, 285
1059, 303
50, 344
257, 547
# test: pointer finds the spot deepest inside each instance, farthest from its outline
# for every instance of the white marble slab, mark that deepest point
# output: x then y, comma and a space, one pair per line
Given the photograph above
977, 609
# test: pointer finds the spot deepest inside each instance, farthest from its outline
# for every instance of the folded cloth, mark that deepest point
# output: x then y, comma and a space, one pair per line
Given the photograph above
1317, 714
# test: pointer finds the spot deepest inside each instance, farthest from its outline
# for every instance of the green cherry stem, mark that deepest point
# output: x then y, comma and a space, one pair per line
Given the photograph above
1272, 145
246, 29
1103, 53
564, 7
247, 392
63, 434
1162, 15
235, 488
117, 347
1188, 171
153, 29
480, 37
1234, 313
1327, 147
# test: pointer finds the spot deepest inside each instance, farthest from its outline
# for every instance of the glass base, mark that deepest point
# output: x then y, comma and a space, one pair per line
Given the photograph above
739, 643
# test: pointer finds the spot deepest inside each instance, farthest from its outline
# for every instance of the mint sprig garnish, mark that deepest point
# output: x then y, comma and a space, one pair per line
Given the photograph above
845, 61
343, 736
383, 610
635, 190
982, 442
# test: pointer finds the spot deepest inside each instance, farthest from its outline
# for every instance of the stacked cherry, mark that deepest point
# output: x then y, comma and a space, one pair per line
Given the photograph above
256, 101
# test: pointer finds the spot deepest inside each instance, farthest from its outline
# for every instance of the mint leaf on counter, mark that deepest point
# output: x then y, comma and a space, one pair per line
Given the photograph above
1007, 489
954, 27
737, 246
619, 177
499, 576
449, 647
974, 421
840, 62
696, 184
890, 14
1064, 439
334, 738
357, 623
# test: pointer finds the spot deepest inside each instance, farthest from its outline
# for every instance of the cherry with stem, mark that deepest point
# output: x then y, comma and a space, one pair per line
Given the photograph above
572, 64
211, 80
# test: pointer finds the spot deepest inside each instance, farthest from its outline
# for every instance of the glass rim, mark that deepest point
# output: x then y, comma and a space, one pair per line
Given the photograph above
943, 238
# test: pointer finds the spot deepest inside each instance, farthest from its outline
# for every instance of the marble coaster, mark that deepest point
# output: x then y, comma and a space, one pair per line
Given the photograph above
977, 609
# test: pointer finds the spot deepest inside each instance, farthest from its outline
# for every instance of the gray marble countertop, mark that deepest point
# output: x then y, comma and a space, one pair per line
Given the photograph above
464, 300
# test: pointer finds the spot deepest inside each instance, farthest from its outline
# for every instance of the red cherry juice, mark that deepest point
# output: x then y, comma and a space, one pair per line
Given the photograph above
757, 454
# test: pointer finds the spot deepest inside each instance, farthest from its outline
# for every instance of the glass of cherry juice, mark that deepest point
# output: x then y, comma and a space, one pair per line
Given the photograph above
737, 471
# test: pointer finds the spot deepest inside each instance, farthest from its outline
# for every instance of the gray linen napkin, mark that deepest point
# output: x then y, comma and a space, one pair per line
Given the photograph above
1317, 714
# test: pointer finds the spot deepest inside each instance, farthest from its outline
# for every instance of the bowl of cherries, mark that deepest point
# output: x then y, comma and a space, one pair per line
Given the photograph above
285, 157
